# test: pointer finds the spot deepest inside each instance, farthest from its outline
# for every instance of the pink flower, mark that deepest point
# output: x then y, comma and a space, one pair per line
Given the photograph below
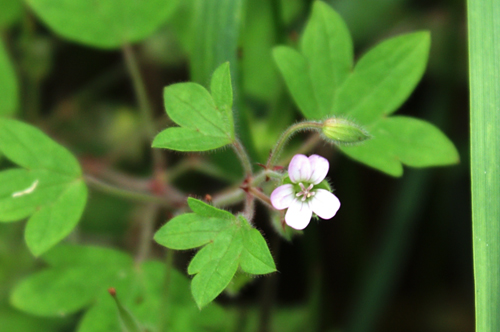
301, 198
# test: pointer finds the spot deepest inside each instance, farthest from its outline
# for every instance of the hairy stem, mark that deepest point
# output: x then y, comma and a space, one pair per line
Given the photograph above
249, 208
260, 196
292, 130
243, 156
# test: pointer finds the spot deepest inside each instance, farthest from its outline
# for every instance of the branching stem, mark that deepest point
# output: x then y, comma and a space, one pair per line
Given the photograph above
127, 194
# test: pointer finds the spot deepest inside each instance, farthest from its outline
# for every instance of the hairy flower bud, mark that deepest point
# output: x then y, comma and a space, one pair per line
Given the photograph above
342, 131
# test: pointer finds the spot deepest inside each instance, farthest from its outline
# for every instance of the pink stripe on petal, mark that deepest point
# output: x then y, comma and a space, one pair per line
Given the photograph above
299, 168
298, 215
324, 204
319, 168
282, 197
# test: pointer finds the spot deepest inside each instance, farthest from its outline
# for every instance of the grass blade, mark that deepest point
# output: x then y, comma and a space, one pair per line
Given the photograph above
484, 57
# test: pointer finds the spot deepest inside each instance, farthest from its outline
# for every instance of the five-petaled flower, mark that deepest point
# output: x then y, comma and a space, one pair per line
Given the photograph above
301, 197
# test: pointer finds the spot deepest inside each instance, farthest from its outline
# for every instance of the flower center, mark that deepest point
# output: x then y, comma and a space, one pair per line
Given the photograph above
304, 192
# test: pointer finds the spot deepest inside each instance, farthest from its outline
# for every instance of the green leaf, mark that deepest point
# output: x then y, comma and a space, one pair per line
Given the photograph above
65, 255
404, 140
11, 12
71, 284
58, 292
67, 287
383, 78
260, 78
215, 271
294, 68
190, 231
229, 242
51, 224
484, 56
206, 121
216, 32
221, 88
206, 210
9, 94
49, 189
327, 46
106, 24
322, 84
254, 259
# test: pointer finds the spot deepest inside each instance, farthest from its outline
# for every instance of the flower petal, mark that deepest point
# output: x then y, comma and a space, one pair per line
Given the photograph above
298, 215
299, 168
282, 197
319, 168
324, 204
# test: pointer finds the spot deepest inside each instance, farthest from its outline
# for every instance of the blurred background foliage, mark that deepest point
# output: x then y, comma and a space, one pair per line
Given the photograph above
397, 257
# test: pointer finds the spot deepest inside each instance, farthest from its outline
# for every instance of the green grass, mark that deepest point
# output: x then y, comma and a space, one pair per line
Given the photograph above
484, 57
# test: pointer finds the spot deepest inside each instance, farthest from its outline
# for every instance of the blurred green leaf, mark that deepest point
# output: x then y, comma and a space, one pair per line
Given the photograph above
205, 120
229, 241
49, 188
11, 12
13, 320
406, 140
294, 68
260, 78
128, 322
58, 292
216, 33
9, 94
327, 46
384, 78
106, 24
68, 286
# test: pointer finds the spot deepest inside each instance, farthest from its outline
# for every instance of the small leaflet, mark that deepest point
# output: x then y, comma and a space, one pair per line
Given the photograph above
27, 190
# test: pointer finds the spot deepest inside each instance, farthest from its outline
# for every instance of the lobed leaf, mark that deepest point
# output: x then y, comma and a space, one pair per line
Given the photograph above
229, 242
322, 84
384, 78
206, 122
49, 190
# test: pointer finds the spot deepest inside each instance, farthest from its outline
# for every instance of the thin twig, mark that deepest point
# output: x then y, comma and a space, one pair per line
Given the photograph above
144, 105
128, 194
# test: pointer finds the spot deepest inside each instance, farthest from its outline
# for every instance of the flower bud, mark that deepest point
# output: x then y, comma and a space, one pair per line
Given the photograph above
342, 131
